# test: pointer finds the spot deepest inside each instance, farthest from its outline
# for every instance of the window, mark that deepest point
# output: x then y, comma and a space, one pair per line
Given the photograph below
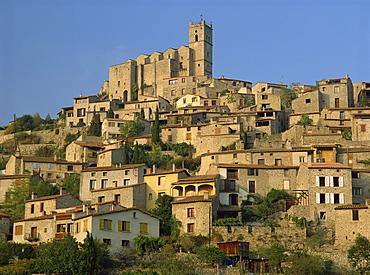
105, 224
50, 166
143, 228
78, 227
321, 181
278, 162
322, 215
194, 99
111, 124
124, 226
134, 215
173, 81
101, 199
92, 184
336, 89
117, 198
308, 100
191, 212
107, 241
261, 161
341, 115
127, 172
336, 181
182, 80
265, 97
356, 191
105, 174
205, 103
173, 93
70, 168
18, 230
41, 207
35, 165
32, 208
61, 228
355, 175
125, 243
150, 196
213, 102
93, 174
85, 226
286, 184
126, 182
104, 183
49, 175
190, 227
336, 102
161, 180
301, 159
252, 172
235, 156
194, 91
183, 92
355, 215
321, 198
336, 198
252, 186
232, 174
363, 128
115, 183
233, 199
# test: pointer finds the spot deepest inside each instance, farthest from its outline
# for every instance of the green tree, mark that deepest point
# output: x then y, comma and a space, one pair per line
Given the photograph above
359, 255
72, 184
156, 130
139, 155
18, 193
362, 100
60, 256
156, 157
305, 120
110, 113
146, 244
347, 134
45, 151
135, 92
288, 95
48, 119
8, 250
142, 113
131, 128
163, 209
275, 254
95, 125
211, 255
304, 263
95, 255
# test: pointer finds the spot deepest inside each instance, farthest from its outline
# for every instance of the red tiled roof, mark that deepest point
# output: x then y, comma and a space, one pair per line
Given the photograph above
194, 199
326, 165
351, 206
4, 215
112, 167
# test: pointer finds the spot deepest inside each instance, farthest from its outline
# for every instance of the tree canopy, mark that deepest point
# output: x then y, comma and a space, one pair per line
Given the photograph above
359, 255
131, 128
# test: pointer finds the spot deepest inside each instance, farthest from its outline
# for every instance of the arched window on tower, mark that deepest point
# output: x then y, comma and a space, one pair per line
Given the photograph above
196, 37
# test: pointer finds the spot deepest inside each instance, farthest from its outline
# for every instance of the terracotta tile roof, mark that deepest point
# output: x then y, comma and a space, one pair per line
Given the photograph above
167, 172
326, 165
5, 177
48, 197
112, 167
117, 211
259, 166
200, 178
46, 160
118, 187
63, 216
351, 206
46, 217
191, 199
4, 215
90, 144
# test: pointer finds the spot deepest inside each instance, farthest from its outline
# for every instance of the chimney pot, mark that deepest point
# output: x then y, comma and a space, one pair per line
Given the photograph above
154, 169
62, 191
34, 195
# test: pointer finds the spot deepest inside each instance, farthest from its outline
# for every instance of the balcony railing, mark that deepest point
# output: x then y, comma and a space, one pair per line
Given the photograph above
32, 237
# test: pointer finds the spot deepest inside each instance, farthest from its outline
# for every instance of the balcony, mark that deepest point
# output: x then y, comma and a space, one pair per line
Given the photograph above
32, 237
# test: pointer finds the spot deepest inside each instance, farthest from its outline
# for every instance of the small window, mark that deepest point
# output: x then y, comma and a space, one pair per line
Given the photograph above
41, 207
125, 243
50, 166
363, 128
124, 226
101, 199
70, 168
93, 174
308, 100
92, 184
143, 228
321, 181
104, 183
356, 191
190, 227
117, 198
322, 215
32, 208
183, 80
105, 224
322, 198
235, 156
35, 165
107, 241
252, 186
126, 182
355, 215
127, 172
18, 229
261, 161
191, 212
336, 198
355, 175
150, 196
336, 181
301, 159
265, 97
105, 174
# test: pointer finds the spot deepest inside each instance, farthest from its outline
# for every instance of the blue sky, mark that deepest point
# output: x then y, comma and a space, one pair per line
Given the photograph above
51, 50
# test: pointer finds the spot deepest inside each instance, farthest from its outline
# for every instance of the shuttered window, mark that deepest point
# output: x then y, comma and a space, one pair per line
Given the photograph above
124, 226
143, 228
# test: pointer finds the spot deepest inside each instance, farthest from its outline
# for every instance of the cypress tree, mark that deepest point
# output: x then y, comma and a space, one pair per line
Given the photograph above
136, 155
95, 126
110, 113
156, 129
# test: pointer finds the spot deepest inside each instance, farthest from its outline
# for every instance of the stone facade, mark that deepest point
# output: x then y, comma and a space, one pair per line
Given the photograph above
109, 178
196, 214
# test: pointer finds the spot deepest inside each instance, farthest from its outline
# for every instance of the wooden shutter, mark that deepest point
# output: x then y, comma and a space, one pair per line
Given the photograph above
120, 225
101, 224
128, 226
327, 181
317, 197
109, 225
317, 181
341, 181
341, 198
331, 181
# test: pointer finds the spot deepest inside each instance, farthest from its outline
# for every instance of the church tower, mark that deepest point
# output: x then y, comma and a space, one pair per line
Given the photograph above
200, 43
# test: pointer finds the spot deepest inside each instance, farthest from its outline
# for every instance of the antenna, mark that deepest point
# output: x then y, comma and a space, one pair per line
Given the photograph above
281, 79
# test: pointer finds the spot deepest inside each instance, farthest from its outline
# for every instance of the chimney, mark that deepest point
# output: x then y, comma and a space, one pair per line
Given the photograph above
173, 167
62, 191
153, 170
309, 160
84, 208
33, 195
206, 196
